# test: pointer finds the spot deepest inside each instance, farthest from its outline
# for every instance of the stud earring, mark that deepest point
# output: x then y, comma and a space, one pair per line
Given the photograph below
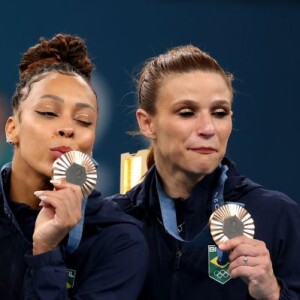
9, 141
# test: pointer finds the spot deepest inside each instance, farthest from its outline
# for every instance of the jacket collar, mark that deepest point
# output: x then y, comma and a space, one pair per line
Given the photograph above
236, 185
98, 210
4, 184
4, 190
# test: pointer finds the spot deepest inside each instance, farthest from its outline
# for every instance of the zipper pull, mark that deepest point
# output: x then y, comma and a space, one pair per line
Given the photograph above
178, 256
180, 228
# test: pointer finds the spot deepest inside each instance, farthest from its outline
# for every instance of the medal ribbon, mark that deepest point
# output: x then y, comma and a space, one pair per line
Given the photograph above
167, 206
75, 233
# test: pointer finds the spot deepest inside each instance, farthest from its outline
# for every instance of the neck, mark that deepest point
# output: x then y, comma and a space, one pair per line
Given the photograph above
177, 184
22, 187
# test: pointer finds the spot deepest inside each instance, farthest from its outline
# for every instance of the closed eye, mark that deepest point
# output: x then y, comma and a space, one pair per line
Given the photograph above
85, 123
186, 112
47, 113
220, 113
83, 119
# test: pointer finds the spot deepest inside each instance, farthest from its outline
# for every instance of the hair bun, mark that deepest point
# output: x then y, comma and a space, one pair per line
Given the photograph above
61, 49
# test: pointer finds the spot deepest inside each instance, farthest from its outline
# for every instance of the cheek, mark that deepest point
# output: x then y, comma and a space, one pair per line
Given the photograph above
225, 131
224, 139
29, 130
228, 131
176, 130
87, 141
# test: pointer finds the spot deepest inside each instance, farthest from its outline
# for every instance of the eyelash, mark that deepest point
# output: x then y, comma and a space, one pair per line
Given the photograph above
186, 112
219, 113
84, 123
51, 114
47, 113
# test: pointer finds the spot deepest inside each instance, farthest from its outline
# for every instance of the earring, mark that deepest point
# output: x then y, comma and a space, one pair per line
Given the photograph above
9, 141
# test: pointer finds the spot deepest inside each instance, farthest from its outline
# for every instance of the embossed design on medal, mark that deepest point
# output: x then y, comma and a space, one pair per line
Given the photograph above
77, 168
229, 221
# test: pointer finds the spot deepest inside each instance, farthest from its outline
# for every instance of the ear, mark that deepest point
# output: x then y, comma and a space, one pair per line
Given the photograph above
11, 130
146, 125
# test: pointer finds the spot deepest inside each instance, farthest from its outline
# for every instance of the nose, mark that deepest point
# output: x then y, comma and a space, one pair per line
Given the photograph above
206, 126
66, 132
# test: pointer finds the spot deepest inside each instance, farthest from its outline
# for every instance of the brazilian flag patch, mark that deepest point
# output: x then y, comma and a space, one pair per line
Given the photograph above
216, 271
71, 278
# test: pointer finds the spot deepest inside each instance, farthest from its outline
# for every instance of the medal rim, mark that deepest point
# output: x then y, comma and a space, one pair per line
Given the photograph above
62, 163
218, 217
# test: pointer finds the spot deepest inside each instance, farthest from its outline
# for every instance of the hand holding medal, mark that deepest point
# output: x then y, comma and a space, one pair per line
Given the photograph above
229, 221
232, 229
77, 168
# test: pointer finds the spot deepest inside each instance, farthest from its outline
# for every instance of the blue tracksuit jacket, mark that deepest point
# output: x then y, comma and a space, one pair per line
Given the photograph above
109, 264
179, 270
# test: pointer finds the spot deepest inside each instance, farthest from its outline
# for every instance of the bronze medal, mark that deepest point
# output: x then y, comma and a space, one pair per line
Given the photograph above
229, 221
77, 168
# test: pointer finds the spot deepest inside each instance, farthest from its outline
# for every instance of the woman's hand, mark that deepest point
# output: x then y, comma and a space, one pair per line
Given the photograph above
250, 260
61, 211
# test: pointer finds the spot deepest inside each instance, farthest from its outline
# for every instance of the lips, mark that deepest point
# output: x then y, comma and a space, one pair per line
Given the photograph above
204, 150
58, 151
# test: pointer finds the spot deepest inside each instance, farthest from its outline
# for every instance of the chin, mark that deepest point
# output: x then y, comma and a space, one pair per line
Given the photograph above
47, 170
205, 168
47, 175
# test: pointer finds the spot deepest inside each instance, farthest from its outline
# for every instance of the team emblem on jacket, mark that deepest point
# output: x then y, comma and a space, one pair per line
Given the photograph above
217, 270
71, 278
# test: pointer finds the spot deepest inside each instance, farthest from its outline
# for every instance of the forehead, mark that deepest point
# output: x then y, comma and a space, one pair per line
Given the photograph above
67, 86
59, 82
201, 83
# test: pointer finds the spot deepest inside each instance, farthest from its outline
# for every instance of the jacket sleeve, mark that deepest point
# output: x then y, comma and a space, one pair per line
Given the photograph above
287, 293
287, 262
46, 276
121, 265
114, 268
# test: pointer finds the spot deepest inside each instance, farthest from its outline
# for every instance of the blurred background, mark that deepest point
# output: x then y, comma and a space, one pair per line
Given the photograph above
258, 41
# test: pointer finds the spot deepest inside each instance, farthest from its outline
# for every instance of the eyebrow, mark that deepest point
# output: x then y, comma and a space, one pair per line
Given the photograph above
214, 102
84, 105
56, 98
61, 100
221, 101
186, 102
195, 103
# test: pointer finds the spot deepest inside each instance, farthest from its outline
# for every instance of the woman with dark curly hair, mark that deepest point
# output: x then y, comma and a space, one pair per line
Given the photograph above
55, 112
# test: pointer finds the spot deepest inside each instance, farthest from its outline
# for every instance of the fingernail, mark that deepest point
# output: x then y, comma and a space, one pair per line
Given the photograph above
38, 193
41, 203
56, 181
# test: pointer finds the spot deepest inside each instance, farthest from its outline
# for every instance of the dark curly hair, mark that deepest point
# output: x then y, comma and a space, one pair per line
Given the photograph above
64, 53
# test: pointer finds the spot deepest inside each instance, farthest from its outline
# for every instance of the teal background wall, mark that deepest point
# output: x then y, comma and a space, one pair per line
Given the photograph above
258, 41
